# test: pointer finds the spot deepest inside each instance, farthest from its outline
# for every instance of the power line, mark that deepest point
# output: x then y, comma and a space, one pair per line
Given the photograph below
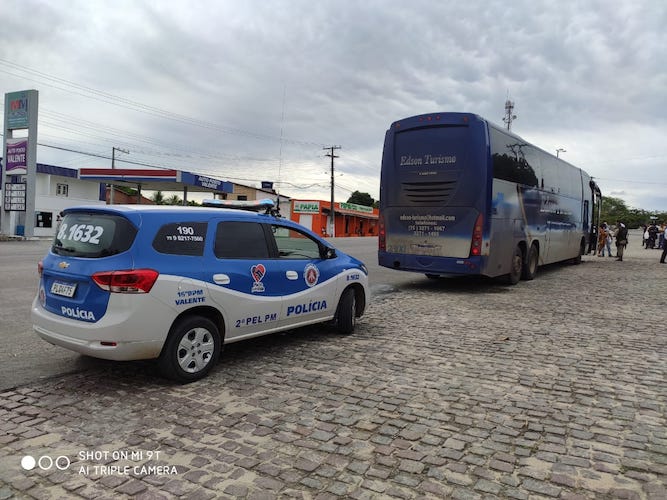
161, 167
68, 124
92, 93
142, 150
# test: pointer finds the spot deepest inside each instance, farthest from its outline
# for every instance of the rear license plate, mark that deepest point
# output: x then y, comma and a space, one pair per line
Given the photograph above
63, 289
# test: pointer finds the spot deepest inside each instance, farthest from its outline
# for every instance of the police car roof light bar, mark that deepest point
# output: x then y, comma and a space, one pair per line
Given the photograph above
265, 204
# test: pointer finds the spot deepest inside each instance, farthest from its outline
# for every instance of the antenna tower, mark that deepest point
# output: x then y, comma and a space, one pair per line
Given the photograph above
509, 114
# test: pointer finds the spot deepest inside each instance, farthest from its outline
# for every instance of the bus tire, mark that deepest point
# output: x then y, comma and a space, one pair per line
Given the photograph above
582, 248
530, 267
516, 266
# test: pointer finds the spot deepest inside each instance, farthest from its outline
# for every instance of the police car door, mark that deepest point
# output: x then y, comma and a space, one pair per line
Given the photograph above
308, 279
243, 281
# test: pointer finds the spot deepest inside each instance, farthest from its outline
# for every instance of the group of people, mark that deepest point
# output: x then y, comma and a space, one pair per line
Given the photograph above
652, 235
606, 235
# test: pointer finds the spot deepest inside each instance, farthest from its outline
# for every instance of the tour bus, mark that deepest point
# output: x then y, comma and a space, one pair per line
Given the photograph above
462, 196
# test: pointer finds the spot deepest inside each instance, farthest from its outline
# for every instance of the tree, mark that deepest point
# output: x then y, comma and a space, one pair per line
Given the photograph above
614, 209
359, 198
174, 199
158, 198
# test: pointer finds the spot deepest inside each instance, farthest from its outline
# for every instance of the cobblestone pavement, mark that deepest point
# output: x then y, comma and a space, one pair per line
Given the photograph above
554, 388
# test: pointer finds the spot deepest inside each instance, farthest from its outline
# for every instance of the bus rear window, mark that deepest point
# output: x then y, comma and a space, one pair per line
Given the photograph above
438, 148
93, 235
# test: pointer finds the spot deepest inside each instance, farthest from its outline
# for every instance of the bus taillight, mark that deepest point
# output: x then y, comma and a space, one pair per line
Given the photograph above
477, 231
382, 235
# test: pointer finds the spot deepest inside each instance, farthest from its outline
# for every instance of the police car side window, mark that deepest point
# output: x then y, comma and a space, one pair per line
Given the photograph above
181, 238
240, 240
293, 244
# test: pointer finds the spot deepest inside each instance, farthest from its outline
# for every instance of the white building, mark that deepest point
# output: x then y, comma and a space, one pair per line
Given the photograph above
56, 188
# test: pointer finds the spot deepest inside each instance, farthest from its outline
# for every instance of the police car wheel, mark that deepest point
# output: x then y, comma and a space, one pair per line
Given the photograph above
191, 350
346, 316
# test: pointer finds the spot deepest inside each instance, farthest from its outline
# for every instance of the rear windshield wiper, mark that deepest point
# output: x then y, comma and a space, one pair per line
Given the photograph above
65, 249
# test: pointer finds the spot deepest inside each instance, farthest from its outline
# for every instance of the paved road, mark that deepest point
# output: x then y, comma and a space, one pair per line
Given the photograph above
25, 358
554, 388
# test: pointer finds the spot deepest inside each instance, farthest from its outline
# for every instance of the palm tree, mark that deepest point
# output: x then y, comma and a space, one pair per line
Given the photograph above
173, 200
158, 198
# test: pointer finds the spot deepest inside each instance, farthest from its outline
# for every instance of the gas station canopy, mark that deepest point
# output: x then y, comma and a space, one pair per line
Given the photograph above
157, 180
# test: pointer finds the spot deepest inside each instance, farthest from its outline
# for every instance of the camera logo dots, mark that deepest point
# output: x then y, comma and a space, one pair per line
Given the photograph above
28, 462
45, 462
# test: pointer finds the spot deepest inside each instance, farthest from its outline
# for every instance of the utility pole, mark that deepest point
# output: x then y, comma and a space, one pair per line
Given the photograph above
332, 215
509, 114
559, 151
113, 166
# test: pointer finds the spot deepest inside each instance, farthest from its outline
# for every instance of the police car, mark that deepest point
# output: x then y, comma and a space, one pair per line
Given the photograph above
176, 283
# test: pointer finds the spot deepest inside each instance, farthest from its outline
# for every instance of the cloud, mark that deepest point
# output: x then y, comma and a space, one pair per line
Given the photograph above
264, 86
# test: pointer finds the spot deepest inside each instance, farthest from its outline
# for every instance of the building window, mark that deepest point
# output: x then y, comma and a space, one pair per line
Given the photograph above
62, 189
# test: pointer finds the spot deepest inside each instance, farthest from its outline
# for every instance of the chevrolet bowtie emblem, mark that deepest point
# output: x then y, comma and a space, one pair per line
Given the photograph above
63, 265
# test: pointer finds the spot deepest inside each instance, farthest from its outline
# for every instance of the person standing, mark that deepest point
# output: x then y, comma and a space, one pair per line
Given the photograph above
644, 234
652, 235
602, 239
621, 236
664, 245
609, 239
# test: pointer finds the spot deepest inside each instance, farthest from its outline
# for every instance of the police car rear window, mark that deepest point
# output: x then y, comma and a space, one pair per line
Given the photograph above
181, 238
93, 235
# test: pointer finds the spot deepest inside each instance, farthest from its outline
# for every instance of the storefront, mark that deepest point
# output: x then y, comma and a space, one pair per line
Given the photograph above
350, 219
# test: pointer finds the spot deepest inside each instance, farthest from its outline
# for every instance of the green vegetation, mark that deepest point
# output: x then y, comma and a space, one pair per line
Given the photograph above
127, 190
364, 199
159, 199
614, 209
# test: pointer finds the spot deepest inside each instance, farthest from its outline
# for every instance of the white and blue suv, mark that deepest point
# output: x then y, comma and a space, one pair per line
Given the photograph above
176, 283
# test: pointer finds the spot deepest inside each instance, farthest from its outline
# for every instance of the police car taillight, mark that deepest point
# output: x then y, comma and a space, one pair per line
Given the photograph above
137, 281
40, 268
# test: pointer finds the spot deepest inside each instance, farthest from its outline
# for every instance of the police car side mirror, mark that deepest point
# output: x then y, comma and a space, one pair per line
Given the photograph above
330, 253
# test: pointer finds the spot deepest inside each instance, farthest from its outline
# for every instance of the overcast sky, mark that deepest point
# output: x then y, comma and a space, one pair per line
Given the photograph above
251, 90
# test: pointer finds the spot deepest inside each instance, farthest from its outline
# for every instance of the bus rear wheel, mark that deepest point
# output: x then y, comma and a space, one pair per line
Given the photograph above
516, 266
582, 249
530, 268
